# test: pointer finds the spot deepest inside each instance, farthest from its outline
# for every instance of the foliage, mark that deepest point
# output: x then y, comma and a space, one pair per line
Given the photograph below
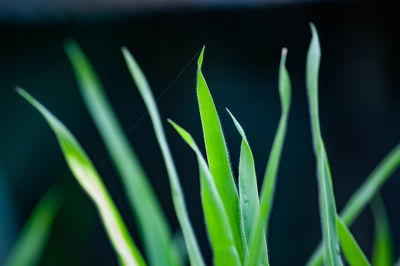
236, 216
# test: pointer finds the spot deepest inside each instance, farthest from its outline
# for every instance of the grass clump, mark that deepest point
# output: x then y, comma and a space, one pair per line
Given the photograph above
236, 216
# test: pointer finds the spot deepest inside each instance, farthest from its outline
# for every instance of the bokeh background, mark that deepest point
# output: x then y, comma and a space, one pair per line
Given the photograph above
359, 102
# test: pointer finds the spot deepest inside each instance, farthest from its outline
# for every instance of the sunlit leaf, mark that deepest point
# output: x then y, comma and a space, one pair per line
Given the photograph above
218, 158
248, 191
219, 229
350, 247
87, 176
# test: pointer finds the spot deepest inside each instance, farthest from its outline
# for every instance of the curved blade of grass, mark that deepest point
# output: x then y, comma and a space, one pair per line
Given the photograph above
35, 233
218, 158
382, 253
154, 229
87, 176
350, 247
140, 80
219, 228
326, 195
364, 194
268, 187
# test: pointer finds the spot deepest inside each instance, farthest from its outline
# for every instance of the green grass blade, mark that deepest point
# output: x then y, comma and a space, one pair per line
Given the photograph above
268, 187
248, 191
382, 254
87, 176
248, 200
326, 195
364, 194
218, 158
35, 233
140, 80
219, 228
350, 247
154, 229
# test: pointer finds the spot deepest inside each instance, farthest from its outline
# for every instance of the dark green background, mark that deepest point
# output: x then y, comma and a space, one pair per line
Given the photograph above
359, 102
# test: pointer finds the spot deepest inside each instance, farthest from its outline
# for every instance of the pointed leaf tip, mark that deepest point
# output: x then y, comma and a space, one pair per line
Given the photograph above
200, 60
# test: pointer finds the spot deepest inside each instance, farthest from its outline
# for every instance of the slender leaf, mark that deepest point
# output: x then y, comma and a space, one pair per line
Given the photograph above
351, 249
177, 194
35, 233
382, 254
154, 229
218, 158
87, 176
248, 191
219, 228
364, 194
268, 188
326, 195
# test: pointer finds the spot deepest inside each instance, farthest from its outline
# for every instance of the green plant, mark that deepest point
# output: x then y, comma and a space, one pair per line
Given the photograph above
236, 218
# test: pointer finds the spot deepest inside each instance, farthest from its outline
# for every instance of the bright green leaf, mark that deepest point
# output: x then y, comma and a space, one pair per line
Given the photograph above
218, 158
382, 254
364, 194
350, 247
267, 193
87, 176
326, 195
35, 233
154, 229
248, 191
195, 256
219, 228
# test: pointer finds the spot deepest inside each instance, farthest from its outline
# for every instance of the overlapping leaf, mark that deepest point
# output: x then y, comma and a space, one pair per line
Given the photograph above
154, 229
140, 80
248, 191
218, 158
218, 226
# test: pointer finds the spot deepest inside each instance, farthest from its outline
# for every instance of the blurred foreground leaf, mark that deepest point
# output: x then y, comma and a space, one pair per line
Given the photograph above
35, 233
153, 226
382, 254
89, 179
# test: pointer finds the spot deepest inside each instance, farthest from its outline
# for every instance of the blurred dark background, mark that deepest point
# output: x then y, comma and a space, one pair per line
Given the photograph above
359, 102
